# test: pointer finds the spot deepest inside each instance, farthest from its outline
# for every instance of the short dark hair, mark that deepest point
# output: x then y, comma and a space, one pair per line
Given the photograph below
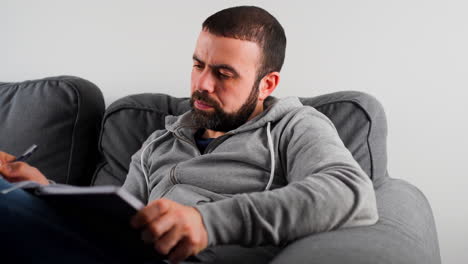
253, 24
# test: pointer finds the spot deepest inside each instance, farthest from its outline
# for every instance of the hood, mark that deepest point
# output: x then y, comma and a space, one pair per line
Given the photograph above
275, 109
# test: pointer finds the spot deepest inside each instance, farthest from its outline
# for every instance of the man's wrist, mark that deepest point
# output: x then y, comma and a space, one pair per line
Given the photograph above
224, 222
203, 227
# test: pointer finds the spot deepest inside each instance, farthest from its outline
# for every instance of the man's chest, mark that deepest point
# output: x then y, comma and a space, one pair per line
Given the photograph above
228, 166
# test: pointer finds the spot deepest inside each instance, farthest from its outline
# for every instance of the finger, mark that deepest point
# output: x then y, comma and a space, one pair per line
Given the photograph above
6, 172
5, 158
158, 228
150, 213
9, 170
169, 240
16, 171
21, 171
182, 250
162, 225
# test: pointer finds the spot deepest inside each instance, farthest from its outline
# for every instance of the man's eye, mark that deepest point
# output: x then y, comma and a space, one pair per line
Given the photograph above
223, 76
198, 66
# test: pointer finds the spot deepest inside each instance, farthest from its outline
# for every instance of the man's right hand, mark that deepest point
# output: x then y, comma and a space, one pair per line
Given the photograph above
19, 171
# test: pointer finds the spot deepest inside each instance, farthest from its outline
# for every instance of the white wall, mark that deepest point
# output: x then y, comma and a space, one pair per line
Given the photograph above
411, 54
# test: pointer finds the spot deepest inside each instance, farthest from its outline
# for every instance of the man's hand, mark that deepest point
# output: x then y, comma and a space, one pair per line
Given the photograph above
19, 171
175, 229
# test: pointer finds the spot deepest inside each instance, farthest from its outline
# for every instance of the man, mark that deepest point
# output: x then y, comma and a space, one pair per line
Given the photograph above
241, 168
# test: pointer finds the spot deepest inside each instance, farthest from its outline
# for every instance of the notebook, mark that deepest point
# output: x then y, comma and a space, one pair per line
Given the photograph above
109, 202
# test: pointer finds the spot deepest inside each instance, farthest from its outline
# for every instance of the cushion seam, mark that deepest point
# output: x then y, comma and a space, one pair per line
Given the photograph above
77, 117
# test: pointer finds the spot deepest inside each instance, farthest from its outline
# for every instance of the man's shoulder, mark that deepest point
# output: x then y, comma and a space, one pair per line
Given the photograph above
305, 115
156, 136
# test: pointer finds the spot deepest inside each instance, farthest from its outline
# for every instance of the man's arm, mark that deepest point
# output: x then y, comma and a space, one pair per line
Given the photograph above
327, 190
174, 229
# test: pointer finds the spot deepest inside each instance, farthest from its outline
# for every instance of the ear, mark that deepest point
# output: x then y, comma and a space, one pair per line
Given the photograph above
268, 84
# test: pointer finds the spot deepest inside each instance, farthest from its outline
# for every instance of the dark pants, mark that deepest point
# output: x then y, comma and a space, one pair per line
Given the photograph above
34, 231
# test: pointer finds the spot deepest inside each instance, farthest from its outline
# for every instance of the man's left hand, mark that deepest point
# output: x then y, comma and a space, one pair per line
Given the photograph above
175, 229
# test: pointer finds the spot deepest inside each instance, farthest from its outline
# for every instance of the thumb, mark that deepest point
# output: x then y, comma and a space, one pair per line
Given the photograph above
6, 172
5, 168
21, 171
15, 169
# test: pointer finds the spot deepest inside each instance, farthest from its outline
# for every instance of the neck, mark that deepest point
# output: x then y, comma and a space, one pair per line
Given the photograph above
214, 134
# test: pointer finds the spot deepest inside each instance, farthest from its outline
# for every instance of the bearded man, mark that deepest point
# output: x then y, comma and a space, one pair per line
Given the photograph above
242, 168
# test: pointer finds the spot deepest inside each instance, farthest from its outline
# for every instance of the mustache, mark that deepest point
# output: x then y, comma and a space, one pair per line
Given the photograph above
197, 95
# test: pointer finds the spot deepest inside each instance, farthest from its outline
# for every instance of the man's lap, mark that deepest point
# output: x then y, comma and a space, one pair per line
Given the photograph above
33, 231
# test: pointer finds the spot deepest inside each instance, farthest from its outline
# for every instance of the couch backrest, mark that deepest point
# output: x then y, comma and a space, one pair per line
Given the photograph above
358, 117
62, 115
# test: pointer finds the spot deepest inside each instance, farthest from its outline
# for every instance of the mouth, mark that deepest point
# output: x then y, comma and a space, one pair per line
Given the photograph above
202, 105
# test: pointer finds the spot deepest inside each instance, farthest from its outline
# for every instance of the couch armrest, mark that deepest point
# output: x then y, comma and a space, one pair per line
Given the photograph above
62, 115
405, 233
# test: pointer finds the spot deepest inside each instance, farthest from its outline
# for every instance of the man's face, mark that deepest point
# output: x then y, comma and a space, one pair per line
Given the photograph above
224, 81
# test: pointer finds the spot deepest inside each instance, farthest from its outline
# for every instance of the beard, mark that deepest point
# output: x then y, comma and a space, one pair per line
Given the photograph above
219, 120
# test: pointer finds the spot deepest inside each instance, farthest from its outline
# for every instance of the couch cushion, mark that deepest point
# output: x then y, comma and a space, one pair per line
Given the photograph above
358, 117
62, 115
362, 125
127, 123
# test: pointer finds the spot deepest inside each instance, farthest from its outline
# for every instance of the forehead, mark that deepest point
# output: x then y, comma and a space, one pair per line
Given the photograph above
238, 53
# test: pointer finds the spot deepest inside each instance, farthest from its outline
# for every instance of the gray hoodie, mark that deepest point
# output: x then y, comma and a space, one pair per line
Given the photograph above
282, 175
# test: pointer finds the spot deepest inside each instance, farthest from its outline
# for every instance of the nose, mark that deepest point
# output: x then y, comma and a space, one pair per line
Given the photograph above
205, 81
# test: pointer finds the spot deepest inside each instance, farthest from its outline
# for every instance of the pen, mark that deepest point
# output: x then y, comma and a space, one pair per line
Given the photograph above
26, 153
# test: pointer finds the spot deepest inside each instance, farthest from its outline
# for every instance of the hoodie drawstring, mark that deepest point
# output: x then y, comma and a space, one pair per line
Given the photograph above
272, 156
142, 164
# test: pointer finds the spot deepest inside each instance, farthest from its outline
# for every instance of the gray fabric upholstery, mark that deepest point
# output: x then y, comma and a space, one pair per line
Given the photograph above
405, 234
62, 115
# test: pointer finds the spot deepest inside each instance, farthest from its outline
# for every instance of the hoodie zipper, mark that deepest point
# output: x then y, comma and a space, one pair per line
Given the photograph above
188, 141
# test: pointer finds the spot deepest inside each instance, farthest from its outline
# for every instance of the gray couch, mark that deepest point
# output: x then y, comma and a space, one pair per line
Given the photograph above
82, 143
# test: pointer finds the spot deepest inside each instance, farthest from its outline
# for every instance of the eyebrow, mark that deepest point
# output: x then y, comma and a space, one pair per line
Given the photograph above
218, 66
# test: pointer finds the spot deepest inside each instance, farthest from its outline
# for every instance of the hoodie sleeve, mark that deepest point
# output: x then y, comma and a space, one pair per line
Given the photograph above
326, 190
